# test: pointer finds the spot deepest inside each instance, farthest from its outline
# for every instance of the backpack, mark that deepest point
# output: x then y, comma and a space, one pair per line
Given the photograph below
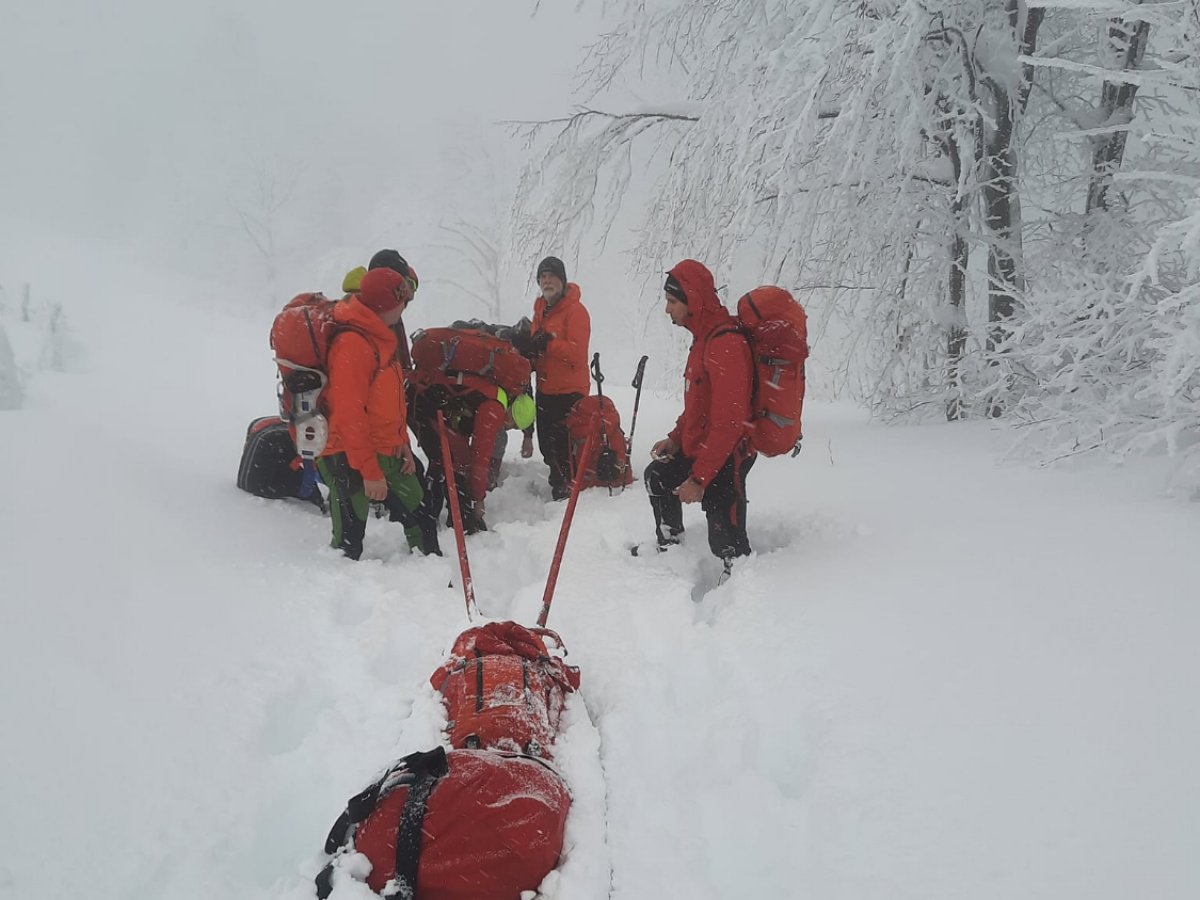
301, 336
457, 825
504, 690
271, 468
777, 328
609, 463
460, 353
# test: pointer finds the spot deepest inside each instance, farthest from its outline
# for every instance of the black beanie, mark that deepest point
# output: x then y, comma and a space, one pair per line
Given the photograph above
675, 289
554, 266
389, 259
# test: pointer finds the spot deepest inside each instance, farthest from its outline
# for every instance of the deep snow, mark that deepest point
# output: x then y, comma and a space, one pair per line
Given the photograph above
939, 677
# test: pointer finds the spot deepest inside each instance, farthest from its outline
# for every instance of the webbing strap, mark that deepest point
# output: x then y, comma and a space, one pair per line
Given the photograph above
408, 835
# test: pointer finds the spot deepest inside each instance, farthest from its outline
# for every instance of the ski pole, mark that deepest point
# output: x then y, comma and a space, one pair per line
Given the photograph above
552, 579
456, 517
637, 399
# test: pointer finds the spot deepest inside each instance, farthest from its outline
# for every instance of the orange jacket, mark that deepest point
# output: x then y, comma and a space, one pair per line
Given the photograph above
718, 378
365, 394
563, 368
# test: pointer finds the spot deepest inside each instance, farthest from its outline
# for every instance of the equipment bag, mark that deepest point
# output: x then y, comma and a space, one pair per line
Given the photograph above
777, 328
608, 464
301, 336
459, 353
271, 468
463, 825
504, 689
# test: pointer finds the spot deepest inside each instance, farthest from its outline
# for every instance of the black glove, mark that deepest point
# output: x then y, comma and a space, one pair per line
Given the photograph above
523, 341
540, 342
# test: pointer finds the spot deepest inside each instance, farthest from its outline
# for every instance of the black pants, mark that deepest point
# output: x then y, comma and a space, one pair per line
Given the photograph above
724, 503
554, 441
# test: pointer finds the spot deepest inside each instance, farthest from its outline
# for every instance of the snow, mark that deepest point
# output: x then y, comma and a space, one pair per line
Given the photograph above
938, 677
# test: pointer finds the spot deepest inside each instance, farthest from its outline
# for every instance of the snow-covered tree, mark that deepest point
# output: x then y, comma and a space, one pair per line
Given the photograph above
12, 393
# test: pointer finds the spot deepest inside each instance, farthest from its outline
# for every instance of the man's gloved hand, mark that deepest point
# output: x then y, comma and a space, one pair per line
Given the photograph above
540, 342
523, 341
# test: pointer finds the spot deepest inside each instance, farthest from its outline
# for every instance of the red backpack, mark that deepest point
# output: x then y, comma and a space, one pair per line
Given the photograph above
463, 825
608, 465
301, 336
503, 689
777, 328
458, 352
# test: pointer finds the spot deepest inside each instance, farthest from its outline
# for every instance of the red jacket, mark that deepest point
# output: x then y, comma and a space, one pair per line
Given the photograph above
472, 452
365, 395
563, 368
718, 378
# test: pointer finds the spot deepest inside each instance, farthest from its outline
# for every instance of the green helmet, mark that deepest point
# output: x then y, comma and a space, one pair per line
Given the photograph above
524, 411
353, 280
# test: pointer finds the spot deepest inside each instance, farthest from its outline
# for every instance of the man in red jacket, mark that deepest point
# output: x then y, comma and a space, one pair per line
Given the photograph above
706, 457
367, 457
557, 345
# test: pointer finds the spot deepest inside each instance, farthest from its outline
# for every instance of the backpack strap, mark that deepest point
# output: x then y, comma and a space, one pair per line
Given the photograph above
354, 329
427, 769
412, 770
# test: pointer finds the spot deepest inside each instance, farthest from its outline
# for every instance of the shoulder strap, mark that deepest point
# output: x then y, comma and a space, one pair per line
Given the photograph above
345, 327
427, 769
420, 771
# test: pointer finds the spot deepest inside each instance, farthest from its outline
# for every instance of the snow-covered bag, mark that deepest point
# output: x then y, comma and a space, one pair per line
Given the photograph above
463, 825
504, 688
608, 465
458, 355
777, 328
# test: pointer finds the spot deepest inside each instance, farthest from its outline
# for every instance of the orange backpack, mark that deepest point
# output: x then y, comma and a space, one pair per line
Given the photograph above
301, 336
777, 328
504, 689
458, 353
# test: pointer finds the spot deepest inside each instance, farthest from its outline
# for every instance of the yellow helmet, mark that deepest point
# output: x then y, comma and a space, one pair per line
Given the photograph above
353, 280
524, 411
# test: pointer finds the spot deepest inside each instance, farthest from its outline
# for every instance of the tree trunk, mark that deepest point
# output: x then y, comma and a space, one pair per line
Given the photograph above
956, 290
1128, 43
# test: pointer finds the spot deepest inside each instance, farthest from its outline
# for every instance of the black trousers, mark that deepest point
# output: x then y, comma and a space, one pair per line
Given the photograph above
553, 439
724, 503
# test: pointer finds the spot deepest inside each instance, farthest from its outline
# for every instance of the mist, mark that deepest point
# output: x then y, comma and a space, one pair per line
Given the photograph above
273, 145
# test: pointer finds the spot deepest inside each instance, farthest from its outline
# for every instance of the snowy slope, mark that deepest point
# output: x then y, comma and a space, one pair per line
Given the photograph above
938, 677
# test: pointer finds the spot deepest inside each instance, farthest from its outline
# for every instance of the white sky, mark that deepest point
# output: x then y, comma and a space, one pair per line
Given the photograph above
136, 118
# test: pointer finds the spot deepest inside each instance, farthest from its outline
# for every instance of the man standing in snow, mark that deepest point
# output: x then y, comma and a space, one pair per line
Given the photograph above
391, 259
368, 457
706, 457
557, 345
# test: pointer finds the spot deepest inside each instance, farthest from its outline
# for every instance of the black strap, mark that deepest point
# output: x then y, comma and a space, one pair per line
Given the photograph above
478, 681
412, 770
427, 770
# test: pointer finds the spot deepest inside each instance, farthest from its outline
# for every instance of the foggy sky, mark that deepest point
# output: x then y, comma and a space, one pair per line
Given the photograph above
150, 121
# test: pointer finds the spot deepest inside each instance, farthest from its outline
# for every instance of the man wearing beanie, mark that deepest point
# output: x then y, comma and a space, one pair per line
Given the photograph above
368, 456
557, 345
706, 457
391, 259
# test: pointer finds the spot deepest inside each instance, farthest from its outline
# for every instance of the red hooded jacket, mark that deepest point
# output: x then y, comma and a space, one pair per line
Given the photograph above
718, 378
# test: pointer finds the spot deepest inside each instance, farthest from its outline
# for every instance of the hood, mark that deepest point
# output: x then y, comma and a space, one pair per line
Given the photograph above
702, 300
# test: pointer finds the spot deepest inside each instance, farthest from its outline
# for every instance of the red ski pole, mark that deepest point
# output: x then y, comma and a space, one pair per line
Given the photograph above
456, 517
566, 525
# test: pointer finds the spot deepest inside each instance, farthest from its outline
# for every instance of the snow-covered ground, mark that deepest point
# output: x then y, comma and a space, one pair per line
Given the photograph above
939, 677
